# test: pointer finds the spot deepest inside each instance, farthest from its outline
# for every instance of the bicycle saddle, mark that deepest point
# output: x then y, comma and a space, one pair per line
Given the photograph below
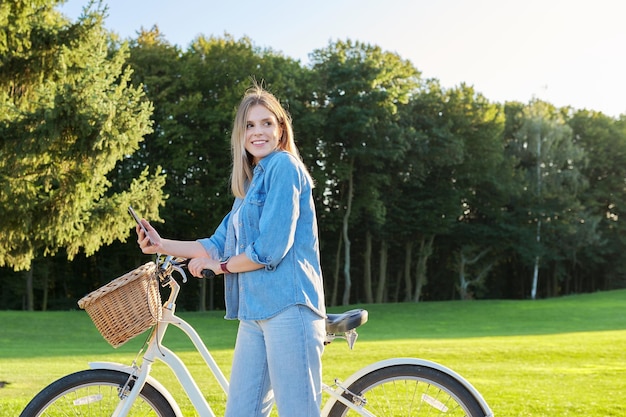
343, 322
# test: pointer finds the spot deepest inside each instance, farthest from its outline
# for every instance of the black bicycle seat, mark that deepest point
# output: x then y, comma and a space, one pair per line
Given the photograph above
343, 322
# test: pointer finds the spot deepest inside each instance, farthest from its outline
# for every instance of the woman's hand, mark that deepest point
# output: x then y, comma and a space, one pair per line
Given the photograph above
197, 265
150, 244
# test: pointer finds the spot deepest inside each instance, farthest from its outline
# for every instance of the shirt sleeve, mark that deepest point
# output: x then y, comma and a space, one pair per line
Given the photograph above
284, 181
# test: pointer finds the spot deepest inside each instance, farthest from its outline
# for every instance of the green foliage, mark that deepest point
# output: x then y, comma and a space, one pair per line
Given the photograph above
551, 164
603, 140
361, 89
195, 94
408, 173
69, 115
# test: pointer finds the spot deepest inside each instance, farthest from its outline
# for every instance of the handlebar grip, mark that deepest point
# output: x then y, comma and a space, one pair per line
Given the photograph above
207, 273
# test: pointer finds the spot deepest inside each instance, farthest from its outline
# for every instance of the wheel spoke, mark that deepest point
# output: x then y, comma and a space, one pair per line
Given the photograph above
94, 393
411, 391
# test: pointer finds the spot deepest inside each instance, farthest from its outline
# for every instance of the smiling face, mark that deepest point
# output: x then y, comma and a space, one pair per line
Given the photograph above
263, 132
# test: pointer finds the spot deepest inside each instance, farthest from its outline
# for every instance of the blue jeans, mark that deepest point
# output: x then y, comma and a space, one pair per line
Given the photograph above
279, 359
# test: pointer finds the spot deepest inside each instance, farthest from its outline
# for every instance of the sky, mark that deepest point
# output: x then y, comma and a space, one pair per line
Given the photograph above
566, 52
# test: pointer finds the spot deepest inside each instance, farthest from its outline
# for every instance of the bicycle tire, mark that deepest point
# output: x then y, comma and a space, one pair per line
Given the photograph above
94, 392
410, 390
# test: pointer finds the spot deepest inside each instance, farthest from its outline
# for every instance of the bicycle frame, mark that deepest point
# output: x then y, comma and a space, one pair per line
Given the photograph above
156, 351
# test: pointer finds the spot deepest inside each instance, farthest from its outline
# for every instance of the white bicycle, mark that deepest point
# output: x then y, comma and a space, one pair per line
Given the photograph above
131, 304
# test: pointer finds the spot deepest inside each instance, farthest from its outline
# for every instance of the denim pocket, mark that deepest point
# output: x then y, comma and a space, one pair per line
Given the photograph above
256, 202
257, 199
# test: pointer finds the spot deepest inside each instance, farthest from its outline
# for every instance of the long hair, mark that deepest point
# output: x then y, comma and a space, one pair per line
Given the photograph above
242, 161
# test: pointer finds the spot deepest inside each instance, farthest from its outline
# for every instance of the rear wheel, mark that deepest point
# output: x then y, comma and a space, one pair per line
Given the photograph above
94, 393
409, 390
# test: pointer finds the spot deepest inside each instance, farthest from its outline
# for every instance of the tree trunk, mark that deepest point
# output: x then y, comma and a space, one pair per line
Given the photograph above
399, 276
554, 290
382, 274
408, 285
463, 284
426, 249
367, 269
46, 285
335, 292
346, 238
464, 280
533, 291
30, 293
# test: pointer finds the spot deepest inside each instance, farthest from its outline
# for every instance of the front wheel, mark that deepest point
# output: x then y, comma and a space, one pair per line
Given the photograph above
409, 390
94, 393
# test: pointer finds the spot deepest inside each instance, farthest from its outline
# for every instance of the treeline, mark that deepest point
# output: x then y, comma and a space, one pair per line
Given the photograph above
423, 192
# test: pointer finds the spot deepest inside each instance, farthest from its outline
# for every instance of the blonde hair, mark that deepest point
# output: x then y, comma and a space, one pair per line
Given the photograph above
242, 161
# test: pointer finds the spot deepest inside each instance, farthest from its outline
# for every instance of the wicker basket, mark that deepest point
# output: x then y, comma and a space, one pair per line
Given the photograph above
125, 307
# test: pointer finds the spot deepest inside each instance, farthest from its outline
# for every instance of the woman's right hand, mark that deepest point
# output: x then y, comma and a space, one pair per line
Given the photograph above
150, 244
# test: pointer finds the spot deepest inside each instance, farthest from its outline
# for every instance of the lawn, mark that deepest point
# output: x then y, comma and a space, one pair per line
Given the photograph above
556, 357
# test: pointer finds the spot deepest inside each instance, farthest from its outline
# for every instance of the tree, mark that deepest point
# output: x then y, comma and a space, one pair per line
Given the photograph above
550, 162
416, 215
454, 175
600, 265
484, 180
69, 116
467, 257
195, 94
360, 91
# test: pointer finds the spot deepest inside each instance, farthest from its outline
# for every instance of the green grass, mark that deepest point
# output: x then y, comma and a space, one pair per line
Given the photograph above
557, 357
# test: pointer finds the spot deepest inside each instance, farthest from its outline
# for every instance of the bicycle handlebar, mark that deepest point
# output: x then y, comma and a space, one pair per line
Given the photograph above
208, 274
169, 263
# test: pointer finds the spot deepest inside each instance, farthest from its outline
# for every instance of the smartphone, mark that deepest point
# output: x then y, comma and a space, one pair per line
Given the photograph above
137, 219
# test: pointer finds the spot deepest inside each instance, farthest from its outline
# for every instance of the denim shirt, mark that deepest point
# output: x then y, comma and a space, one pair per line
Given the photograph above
277, 229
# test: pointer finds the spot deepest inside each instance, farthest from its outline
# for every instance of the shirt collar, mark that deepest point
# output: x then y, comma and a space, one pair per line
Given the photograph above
264, 161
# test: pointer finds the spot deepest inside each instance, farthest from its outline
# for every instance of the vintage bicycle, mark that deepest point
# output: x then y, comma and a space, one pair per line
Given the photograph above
131, 304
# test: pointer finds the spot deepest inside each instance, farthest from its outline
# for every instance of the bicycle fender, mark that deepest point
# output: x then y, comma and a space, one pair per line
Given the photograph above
413, 361
150, 380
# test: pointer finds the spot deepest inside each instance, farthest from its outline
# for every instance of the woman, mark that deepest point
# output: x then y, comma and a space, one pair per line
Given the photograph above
267, 248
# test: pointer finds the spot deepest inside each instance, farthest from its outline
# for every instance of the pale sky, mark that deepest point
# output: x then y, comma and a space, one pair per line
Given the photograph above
567, 52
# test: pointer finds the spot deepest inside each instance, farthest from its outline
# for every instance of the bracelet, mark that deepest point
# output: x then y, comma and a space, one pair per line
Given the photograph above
224, 267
